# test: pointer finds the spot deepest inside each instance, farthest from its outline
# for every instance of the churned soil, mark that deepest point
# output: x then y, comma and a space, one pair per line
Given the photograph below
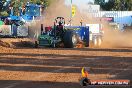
28, 67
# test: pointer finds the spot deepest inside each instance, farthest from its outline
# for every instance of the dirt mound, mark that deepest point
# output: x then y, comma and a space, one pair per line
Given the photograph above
4, 44
16, 42
23, 44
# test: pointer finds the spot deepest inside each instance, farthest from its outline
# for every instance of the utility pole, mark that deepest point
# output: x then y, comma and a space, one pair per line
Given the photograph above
71, 14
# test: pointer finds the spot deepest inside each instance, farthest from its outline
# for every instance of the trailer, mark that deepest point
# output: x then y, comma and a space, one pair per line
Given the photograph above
16, 25
13, 28
96, 34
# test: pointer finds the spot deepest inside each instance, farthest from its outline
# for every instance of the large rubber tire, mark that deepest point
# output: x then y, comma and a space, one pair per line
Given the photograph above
70, 39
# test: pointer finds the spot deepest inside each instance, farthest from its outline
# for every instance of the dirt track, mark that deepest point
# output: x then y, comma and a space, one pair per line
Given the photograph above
60, 68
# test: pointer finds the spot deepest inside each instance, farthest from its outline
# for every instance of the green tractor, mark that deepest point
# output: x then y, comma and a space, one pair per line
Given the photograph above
57, 36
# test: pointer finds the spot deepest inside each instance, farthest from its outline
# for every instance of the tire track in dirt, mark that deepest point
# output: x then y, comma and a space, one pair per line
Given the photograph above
38, 77
76, 58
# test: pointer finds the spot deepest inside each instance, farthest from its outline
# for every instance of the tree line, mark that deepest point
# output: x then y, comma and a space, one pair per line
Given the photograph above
110, 5
4, 10
115, 5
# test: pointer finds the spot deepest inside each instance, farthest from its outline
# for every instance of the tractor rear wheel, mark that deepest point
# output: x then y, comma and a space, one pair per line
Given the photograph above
70, 39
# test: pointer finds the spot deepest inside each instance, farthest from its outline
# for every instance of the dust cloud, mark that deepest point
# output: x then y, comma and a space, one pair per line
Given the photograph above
111, 38
117, 39
59, 8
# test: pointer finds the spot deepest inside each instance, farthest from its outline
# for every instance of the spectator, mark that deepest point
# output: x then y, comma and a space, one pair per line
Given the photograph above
1, 22
6, 21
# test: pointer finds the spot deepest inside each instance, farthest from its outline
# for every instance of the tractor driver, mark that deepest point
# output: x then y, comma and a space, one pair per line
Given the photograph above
60, 28
60, 23
7, 21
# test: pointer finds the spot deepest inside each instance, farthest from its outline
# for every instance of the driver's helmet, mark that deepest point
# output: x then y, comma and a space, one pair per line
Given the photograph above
60, 23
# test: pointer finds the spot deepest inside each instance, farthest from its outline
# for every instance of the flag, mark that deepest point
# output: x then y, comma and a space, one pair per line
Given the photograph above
73, 10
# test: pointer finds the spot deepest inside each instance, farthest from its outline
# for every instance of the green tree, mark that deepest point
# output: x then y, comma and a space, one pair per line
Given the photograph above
128, 5
16, 4
1, 4
99, 1
4, 13
3, 10
122, 5
115, 5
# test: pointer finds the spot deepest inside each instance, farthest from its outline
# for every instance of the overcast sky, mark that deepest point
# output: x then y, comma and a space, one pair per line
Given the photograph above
78, 2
